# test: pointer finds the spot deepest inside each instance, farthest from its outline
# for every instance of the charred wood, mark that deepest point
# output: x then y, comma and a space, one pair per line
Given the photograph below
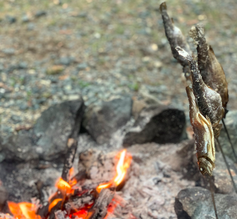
100, 208
72, 144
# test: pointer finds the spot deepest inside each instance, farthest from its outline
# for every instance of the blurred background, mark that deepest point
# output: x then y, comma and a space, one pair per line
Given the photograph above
57, 50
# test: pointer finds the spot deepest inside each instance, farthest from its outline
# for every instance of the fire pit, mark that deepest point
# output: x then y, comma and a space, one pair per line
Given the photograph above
87, 194
139, 182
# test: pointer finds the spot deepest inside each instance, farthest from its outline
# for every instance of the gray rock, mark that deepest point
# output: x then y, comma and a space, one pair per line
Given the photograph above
40, 13
102, 121
22, 65
196, 203
31, 26
19, 147
231, 124
23, 106
10, 19
16, 118
48, 139
82, 66
65, 60
82, 14
25, 18
9, 51
158, 123
55, 126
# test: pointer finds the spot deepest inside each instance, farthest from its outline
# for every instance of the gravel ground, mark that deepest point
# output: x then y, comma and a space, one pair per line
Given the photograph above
59, 49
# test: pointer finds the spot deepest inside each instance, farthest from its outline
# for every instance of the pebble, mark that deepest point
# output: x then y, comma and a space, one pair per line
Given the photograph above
23, 106
65, 60
40, 13
31, 26
54, 70
25, 18
82, 66
9, 51
11, 19
16, 118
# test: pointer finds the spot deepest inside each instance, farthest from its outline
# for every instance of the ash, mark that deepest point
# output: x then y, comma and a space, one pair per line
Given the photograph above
153, 183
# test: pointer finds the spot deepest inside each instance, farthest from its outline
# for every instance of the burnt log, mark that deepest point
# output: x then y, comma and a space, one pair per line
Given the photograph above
100, 207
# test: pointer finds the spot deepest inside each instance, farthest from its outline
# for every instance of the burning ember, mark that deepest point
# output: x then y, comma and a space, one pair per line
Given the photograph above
88, 198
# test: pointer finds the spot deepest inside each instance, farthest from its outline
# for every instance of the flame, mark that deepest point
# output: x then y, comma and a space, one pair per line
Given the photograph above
63, 186
53, 203
23, 210
71, 172
122, 166
65, 189
72, 181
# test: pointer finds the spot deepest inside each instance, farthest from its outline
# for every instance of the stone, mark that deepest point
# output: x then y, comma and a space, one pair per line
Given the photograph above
82, 66
16, 118
22, 65
48, 139
197, 202
66, 60
40, 13
23, 106
31, 26
25, 18
55, 126
157, 123
102, 121
54, 70
9, 51
11, 19
19, 147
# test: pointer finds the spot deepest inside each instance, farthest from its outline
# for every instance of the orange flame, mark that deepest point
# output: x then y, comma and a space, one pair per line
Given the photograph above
23, 210
122, 166
53, 203
63, 186
71, 172
72, 181
65, 189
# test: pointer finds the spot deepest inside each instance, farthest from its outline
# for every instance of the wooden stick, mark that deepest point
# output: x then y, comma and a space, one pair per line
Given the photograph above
72, 144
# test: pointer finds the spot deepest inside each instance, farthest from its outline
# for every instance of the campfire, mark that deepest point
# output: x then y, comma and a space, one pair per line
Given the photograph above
82, 197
